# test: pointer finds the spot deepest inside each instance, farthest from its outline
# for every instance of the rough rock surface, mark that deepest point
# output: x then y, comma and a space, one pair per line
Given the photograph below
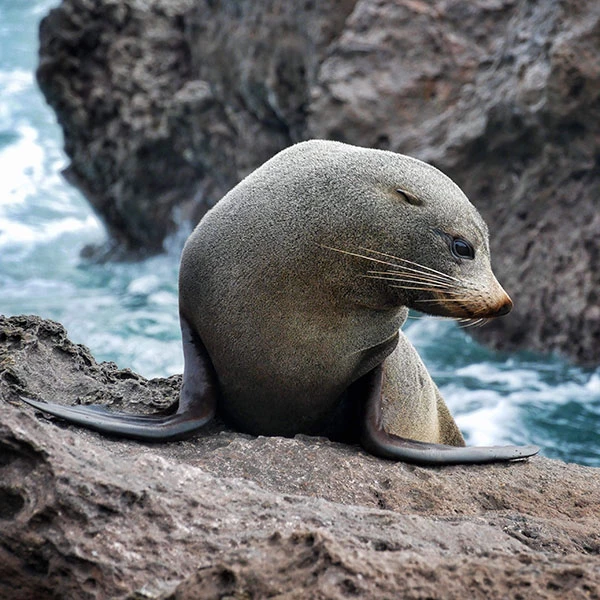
229, 515
166, 104
504, 96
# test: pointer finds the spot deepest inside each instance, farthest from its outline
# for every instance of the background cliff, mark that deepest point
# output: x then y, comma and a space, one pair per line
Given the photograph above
165, 105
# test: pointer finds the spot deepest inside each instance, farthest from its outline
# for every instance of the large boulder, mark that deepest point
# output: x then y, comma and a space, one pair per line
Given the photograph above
166, 104
230, 515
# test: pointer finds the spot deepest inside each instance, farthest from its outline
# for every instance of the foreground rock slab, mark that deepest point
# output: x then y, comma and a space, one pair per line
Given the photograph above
230, 515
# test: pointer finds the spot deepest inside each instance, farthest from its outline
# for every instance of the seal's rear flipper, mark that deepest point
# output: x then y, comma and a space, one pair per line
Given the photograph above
197, 403
380, 443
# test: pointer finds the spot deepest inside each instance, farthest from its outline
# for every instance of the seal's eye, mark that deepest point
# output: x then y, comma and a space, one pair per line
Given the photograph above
462, 249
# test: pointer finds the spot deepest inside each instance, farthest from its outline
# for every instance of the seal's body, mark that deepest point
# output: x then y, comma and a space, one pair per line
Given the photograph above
290, 324
293, 289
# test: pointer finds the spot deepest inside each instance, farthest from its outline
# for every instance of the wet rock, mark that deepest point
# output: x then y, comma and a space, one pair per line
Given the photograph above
230, 515
166, 105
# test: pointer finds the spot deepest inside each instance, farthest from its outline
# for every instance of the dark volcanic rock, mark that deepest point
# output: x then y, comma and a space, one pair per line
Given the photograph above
229, 515
167, 104
115, 72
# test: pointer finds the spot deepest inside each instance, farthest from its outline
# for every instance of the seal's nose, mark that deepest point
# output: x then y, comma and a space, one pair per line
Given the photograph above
504, 307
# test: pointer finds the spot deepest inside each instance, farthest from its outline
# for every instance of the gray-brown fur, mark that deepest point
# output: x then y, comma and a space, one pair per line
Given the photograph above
412, 405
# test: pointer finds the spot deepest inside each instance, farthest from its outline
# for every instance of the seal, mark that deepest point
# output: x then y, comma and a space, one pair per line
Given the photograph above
292, 293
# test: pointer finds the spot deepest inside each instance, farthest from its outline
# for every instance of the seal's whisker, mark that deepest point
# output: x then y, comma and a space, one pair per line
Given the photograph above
407, 272
434, 317
432, 271
376, 260
446, 299
417, 268
410, 262
418, 289
466, 323
465, 286
441, 287
474, 323
482, 321
432, 284
462, 322
424, 288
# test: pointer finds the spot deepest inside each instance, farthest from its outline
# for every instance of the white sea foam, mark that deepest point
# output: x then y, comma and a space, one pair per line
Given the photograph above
162, 298
12, 83
528, 385
144, 285
22, 167
13, 233
485, 426
42, 7
497, 375
593, 384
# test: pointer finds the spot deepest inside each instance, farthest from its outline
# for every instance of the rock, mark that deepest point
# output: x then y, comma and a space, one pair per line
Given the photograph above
167, 104
230, 515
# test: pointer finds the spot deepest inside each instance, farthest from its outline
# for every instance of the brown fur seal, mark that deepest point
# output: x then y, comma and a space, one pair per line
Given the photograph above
293, 289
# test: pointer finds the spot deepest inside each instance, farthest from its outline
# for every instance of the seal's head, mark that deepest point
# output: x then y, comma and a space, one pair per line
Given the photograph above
410, 234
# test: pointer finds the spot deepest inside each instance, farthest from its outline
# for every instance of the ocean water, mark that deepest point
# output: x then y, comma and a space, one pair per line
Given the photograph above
127, 313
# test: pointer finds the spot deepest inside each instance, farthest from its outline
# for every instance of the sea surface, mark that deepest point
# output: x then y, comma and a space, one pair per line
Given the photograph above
127, 312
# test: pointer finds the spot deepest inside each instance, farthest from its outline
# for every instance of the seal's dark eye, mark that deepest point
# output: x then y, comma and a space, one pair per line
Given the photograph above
462, 249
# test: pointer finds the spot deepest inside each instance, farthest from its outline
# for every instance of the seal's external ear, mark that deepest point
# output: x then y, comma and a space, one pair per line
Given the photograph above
409, 197
197, 403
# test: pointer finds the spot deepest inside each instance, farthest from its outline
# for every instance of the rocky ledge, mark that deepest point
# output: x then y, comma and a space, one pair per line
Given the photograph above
230, 515
166, 104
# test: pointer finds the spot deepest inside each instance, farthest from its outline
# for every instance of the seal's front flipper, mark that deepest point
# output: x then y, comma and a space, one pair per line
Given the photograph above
377, 441
197, 403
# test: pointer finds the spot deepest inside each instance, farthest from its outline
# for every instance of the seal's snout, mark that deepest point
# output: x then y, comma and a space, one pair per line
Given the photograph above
503, 307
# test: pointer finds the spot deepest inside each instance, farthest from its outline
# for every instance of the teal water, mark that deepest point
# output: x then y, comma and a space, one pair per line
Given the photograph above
127, 313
